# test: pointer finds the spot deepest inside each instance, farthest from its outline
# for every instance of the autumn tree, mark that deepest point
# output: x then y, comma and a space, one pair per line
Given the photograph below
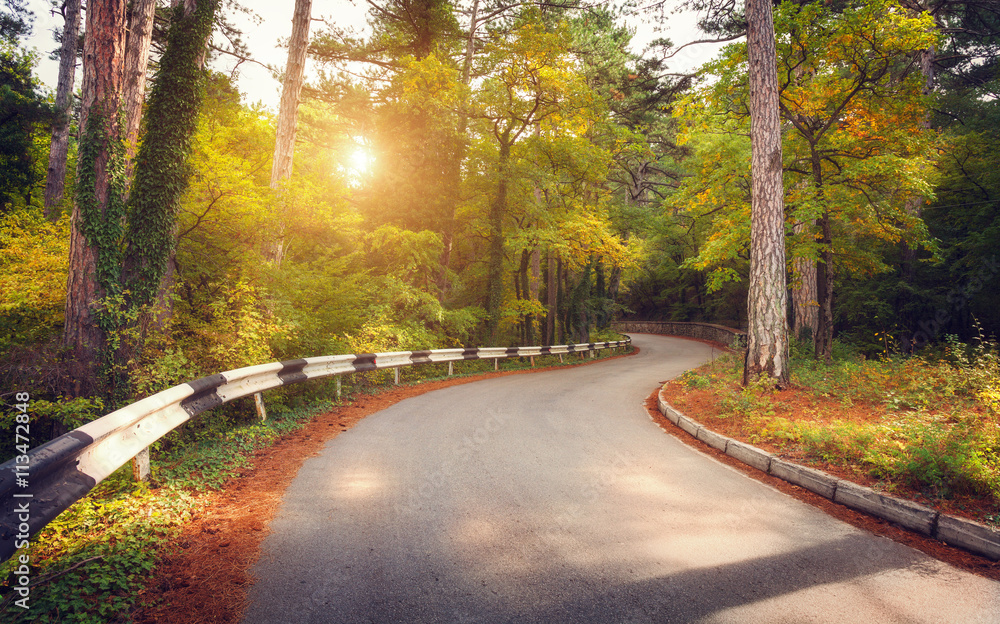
855, 149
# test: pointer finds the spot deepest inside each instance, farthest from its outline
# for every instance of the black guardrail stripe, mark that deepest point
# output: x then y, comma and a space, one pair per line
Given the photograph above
204, 396
420, 357
201, 403
511, 351
545, 351
571, 348
591, 346
50, 497
43, 460
291, 371
205, 384
364, 362
470, 353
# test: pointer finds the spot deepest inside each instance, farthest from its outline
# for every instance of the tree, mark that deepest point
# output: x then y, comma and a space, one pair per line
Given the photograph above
284, 146
98, 210
22, 109
55, 181
767, 326
140, 36
855, 149
850, 98
529, 80
119, 251
161, 169
15, 20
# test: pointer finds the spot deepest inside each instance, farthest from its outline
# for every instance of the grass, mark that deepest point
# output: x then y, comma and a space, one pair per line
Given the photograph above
88, 565
925, 427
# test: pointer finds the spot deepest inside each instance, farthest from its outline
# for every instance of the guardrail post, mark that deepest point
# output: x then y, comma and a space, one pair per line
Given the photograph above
140, 465
396, 373
258, 400
560, 358
338, 388
532, 358
496, 364
451, 368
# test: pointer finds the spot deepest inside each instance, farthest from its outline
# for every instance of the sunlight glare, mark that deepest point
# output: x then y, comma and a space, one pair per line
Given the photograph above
361, 161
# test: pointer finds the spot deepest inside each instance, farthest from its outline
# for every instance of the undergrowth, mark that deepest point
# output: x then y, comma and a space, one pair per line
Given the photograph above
933, 423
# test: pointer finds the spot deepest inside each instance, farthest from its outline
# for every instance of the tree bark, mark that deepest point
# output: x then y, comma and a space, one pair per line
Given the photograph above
767, 349
804, 297
160, 165
291, 92
139, 39
824, 293
494, 274
55, 181
550, 295
103, 73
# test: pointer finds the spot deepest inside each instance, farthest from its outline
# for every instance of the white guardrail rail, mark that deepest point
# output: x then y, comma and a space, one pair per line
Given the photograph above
37, 487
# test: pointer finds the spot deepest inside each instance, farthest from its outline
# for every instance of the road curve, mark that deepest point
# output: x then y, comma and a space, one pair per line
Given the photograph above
552, 497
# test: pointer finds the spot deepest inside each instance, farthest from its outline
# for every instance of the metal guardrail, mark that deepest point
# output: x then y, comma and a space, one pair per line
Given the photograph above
37, 487
705, 331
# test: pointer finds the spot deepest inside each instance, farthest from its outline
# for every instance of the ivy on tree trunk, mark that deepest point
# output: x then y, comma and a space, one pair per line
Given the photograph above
161, 168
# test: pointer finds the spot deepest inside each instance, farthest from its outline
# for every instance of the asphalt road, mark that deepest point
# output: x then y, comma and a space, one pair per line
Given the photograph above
552, 497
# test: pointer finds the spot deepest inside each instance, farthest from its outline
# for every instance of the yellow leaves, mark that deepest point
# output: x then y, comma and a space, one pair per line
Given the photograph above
430, 81
34, 256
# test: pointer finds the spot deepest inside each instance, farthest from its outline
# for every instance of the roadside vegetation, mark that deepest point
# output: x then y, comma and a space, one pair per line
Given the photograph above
923, 427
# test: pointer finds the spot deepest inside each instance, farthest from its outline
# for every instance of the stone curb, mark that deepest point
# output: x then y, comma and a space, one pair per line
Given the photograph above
903, 512
972, 536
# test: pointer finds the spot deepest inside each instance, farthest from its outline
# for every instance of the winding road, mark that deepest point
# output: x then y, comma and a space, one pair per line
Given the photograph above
552, 497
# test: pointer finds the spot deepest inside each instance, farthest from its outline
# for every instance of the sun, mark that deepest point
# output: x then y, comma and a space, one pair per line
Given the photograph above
361, 161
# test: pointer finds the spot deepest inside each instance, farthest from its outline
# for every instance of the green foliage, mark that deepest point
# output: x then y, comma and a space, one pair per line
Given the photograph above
23, 109
102, 226
89, 564
938, 431
33, 258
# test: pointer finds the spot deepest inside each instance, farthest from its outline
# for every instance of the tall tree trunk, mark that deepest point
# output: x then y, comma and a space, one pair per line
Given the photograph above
527, 321
823, 338
915, 204
767, 349
455, 166
140, 36
824, 293
804, 298
551, 301
98, 209
55, 181
495, 260
288, 113
291, 92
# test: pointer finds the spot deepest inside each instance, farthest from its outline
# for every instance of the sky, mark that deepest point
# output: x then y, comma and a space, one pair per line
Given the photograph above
258, 85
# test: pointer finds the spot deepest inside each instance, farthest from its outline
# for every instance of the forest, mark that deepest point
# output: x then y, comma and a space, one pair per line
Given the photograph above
483, 173
480, 174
